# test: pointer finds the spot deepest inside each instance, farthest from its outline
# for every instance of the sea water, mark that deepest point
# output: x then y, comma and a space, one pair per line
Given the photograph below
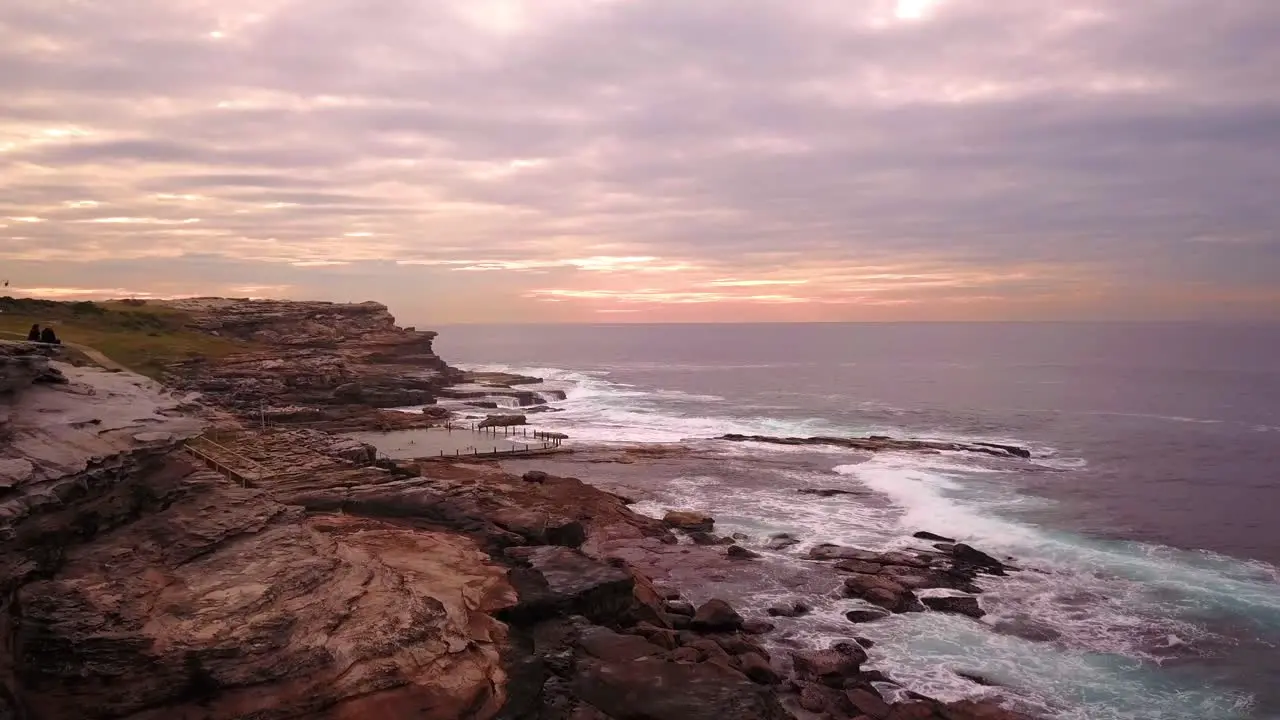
1145, 521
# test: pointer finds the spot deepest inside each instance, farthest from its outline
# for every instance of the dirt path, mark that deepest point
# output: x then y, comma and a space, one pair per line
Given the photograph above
97, 357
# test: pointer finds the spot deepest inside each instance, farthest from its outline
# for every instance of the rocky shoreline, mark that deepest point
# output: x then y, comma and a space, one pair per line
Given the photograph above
140, 583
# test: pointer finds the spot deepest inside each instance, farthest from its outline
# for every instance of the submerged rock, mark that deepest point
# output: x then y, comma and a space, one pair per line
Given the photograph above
958, 605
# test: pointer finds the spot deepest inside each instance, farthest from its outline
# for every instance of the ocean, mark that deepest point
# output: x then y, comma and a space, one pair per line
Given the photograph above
1145, 521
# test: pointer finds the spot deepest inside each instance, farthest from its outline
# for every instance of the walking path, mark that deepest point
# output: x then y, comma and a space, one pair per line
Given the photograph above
97, 357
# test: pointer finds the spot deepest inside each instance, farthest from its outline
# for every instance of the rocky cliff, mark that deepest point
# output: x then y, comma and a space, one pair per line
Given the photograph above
311, 360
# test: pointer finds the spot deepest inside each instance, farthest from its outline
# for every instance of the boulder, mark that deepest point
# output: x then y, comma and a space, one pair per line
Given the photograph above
738, 552
956, 604
689, 521
925, 535
703, 538
757, 627
881, 591
758, 669
832, 666
717, 616
535, 476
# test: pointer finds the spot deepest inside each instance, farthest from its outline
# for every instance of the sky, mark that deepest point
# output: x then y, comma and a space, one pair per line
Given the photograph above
649, 160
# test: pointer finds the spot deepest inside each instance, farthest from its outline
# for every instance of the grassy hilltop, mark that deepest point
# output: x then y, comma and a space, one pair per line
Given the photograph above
143, 336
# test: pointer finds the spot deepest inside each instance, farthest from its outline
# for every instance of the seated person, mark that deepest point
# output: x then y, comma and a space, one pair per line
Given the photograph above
33, 335
47, 336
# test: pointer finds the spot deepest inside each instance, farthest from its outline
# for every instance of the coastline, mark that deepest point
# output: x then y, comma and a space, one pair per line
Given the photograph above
500, 594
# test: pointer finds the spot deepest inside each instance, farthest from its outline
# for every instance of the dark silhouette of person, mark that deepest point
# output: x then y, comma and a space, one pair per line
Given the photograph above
33, 335
47, 336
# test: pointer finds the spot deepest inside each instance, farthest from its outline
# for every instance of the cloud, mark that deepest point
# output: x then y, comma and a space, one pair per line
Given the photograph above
892, 158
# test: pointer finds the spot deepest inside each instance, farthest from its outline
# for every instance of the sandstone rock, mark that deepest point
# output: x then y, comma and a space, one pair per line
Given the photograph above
741, 553
717, 616
869, 704
955, 604
661, 637
690, 521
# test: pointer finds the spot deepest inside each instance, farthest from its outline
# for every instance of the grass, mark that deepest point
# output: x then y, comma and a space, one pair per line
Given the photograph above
142, 336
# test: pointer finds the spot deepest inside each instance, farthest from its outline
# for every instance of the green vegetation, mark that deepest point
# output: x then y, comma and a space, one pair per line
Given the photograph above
142, 336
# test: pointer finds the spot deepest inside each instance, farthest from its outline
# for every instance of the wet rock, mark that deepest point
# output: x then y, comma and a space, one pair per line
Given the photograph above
706, 691
865, 642
976, 678
980, 710
560, 581
535, 476
1028, 628
757, 627
865, 616
881, 591
924, 535
686, 655
679, 607
791, 609
717, 616
828, 492
832, 666
782, 541
858, 566
958, 605
661, 637
758, 669
947, 548
970, 556
869, 704
815, 698
738, 552
877, 443
703, 538
605, 644
495, 421
837, 552
689, 521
